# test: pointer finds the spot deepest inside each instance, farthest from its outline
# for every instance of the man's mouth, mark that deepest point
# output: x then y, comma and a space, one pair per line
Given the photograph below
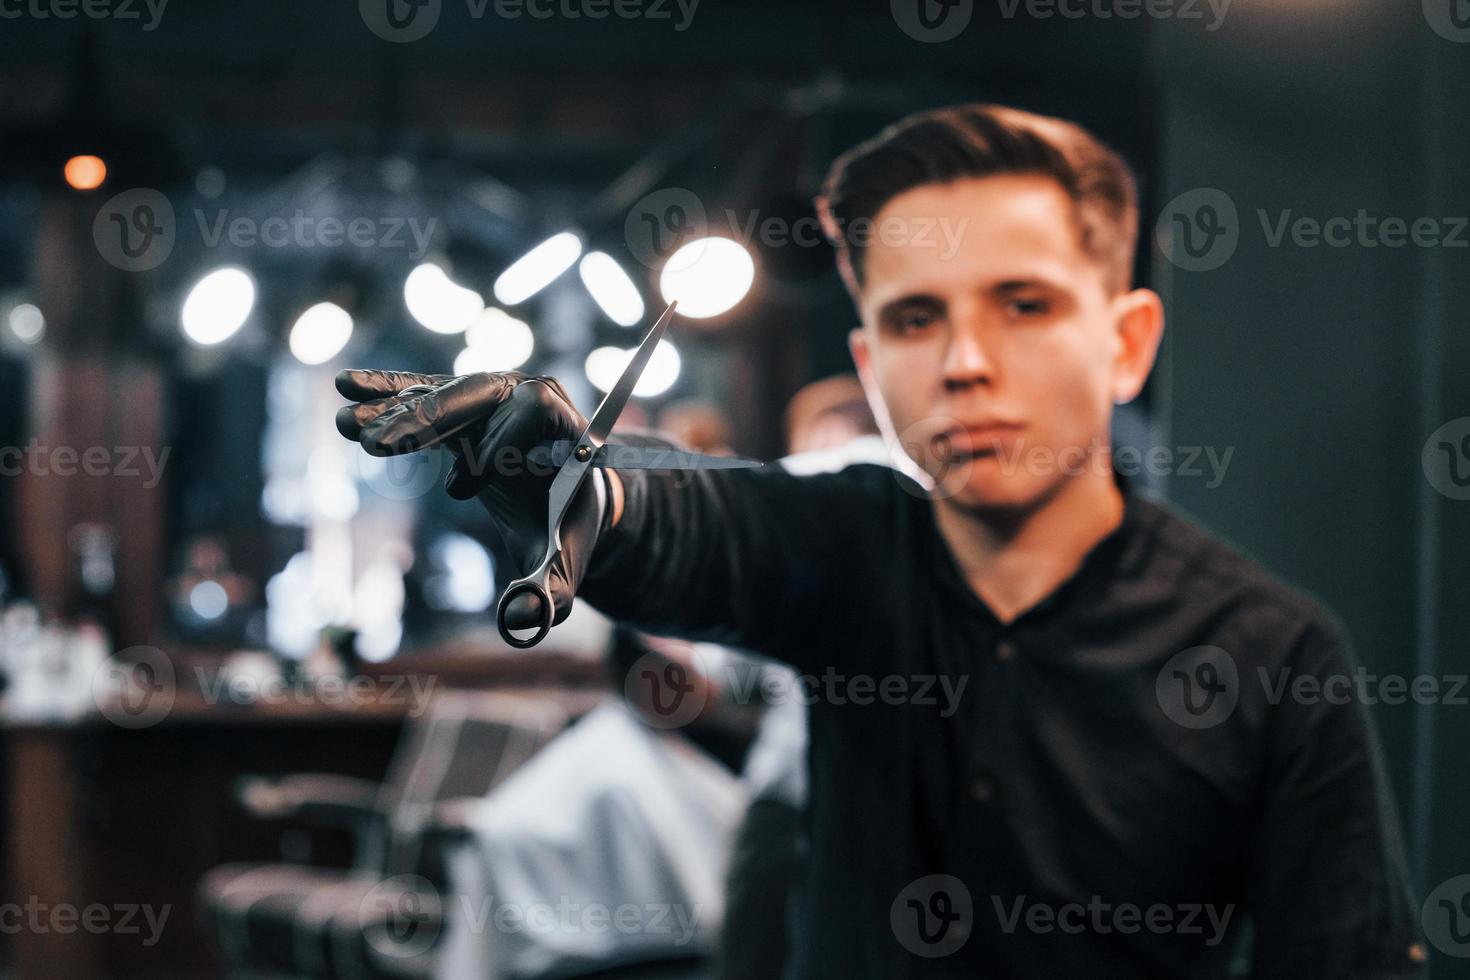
975, 441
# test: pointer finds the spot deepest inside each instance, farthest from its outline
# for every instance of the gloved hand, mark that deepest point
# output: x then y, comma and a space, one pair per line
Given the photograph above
490, 422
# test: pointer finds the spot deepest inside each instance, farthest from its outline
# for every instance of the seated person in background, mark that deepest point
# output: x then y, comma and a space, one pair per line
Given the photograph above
605, 852
1040, 722
829, 425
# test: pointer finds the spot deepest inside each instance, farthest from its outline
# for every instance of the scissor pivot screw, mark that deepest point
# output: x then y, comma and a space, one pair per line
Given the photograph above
583, 453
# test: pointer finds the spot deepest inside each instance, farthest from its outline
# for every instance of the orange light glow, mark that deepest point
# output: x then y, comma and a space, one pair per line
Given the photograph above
86, 173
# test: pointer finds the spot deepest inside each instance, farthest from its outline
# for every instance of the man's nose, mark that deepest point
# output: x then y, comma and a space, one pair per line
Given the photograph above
968, 360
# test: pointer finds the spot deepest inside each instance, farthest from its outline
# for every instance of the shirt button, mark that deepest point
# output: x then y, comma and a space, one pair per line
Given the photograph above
982, 790
1005, 650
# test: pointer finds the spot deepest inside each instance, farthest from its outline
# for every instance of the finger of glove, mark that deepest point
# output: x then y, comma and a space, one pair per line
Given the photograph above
352, 418
365, 384
426, 420
504, 449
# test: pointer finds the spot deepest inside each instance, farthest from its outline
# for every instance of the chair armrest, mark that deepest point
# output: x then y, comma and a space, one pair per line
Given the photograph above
450, 819
316, 797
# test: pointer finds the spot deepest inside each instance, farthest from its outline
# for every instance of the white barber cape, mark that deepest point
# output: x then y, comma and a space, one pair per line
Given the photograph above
608, 847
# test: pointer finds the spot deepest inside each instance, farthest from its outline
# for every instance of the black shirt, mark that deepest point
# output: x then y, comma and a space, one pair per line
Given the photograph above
1108, 786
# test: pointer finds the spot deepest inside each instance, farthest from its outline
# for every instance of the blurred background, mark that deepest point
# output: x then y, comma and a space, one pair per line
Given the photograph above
207, 209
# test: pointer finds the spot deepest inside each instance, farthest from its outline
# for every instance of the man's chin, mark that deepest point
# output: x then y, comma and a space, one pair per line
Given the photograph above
979, 487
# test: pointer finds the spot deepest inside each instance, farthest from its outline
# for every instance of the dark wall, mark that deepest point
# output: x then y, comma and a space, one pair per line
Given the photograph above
1327, 368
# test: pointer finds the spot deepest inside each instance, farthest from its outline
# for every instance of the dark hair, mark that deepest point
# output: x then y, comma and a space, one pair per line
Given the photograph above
979, 140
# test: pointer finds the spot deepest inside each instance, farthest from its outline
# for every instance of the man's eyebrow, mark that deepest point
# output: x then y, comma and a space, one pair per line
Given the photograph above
1017, 285
909, 299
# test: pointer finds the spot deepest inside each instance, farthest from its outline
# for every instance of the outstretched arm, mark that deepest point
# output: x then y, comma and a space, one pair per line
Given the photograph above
755, 558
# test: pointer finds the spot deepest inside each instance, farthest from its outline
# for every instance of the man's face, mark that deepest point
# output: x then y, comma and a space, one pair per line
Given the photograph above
999, 358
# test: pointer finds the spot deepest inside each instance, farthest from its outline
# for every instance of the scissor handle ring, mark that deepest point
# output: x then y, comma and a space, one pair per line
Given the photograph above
547, 611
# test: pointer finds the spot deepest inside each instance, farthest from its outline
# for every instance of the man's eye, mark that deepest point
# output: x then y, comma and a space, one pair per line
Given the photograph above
1029, 307
911, 321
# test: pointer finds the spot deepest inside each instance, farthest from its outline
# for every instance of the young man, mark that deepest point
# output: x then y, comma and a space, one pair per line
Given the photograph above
1039, 743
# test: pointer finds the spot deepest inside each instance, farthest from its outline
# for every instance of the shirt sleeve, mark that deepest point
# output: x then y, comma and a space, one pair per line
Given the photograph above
1329, 890
758, 559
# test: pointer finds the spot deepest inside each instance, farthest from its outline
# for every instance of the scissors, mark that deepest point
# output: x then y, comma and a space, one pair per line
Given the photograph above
574, 460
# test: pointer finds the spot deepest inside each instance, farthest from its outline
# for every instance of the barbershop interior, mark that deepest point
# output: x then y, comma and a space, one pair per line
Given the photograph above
260, 716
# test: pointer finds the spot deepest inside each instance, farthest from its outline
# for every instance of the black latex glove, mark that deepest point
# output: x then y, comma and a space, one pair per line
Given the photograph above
490, 422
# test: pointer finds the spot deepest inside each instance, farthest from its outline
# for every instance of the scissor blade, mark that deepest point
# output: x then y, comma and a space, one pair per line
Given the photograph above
612, 406
615, 456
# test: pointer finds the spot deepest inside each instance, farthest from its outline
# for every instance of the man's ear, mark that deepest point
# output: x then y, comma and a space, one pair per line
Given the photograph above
862, 359
857, 344
1139, 326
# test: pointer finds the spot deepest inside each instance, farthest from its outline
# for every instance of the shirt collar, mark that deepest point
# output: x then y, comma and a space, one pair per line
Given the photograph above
1100, 564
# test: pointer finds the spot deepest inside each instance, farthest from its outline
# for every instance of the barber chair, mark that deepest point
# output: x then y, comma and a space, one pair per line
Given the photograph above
380, 918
